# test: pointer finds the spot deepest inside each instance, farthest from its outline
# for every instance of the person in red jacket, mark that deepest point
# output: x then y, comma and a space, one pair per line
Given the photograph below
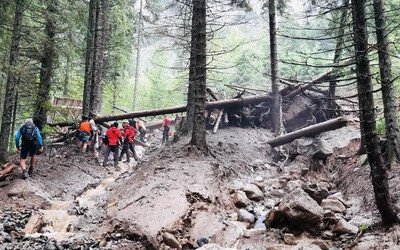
166, 124
114, 136
129, 134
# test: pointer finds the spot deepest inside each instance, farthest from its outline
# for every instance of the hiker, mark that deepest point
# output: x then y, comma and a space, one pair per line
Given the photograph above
129, 135
142, 130
166, 123
31, 141
94, 135
84, 133
114, 136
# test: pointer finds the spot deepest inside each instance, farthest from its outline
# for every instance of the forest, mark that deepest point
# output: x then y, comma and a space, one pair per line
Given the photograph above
284, 124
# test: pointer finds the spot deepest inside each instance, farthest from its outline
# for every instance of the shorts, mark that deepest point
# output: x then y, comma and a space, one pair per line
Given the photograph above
28, 149
83, 136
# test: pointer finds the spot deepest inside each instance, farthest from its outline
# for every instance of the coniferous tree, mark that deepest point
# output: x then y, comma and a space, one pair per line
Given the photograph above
46, 70
197, 74
388, 95
367, 112
12, 81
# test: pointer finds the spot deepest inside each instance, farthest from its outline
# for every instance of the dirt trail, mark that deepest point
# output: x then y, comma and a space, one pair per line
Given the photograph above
178, 198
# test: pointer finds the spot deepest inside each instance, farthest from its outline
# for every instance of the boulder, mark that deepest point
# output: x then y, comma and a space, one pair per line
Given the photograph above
344, 227
170, 240
240, 199
315, 147
275, 218
317, 191
299, 208
245, 216
333, 205
253, 192
322, 244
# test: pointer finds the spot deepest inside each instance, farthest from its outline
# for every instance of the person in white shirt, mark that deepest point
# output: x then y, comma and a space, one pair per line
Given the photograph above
94, 139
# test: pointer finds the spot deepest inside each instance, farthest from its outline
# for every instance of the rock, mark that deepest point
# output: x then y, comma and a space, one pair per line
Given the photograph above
34, 224
240, 199
317, 191
214, 247
362, 160
202, 241
260, 223
344, 227
299, 208
258, 179
274, 218
289, 239
269, 203
170, 240
331, 216
339, 196
253, 192
322, 244
328, 235
333, 205
322, 149
245, 216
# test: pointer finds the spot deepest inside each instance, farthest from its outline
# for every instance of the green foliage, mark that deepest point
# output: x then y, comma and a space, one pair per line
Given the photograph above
363, 227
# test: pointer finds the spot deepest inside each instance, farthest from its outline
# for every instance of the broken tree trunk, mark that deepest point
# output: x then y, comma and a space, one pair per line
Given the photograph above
309, 131
8, 169
210, 105
221, 113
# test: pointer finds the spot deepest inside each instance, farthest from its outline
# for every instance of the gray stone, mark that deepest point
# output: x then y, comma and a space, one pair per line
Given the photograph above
253, 192
269, 203
344, 227
317, 191
170, 240
321, 243
333, 205
299, 208
240, 199
289, 239
245, 216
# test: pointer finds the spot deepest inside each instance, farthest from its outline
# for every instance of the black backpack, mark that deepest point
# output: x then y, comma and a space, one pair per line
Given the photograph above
28, 132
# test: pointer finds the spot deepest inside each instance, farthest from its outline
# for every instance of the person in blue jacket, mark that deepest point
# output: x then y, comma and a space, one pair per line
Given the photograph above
31, 140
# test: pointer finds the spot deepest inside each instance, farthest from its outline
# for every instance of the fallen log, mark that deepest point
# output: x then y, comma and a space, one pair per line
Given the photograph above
210, 105
309, 131
8, 170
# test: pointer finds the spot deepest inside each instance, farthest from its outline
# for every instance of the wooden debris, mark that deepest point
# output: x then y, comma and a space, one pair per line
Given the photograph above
309, 131
218, 121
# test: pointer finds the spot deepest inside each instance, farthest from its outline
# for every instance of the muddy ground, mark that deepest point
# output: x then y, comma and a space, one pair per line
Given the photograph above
177, 198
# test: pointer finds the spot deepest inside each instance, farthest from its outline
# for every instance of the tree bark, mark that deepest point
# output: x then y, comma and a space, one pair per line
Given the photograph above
11, 82
388, 95
336, 59
308, 131
87, 87
367, 112
98, 56
139, 38
276, 109
198, 53
46, 70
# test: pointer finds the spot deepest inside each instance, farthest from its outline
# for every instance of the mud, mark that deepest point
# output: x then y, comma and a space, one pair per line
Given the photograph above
177, 197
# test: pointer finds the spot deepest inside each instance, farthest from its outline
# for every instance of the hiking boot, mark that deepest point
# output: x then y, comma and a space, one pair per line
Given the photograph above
25, 174
30, 171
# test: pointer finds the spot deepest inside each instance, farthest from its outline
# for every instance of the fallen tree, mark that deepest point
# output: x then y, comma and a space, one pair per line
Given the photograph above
309, 131
178, 109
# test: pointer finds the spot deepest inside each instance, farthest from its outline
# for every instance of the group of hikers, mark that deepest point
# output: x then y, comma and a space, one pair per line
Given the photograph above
114, 137
29, 142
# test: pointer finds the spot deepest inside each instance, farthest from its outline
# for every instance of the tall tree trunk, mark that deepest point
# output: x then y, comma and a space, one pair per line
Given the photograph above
66, 78
276, 110
11, 82
388, 95
336, 58
14, 117
98, 57
139, 38
87, 87
367, 111
46, 70
198, 57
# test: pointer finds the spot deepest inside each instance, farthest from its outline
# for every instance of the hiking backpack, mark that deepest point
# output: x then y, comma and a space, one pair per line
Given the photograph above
28, 132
